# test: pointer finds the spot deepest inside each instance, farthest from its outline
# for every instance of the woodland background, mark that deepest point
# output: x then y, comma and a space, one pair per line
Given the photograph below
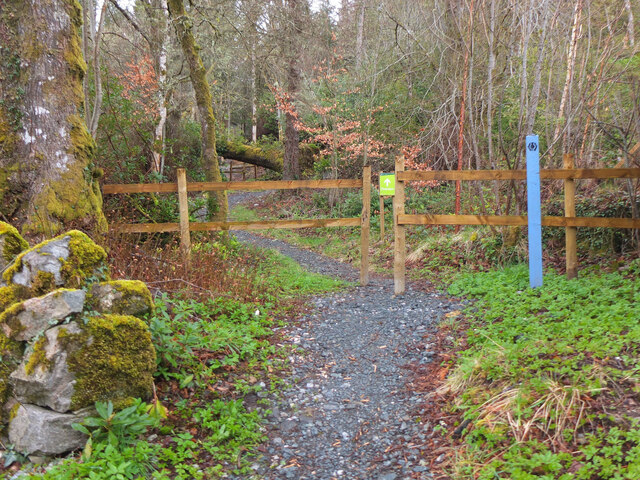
452, 83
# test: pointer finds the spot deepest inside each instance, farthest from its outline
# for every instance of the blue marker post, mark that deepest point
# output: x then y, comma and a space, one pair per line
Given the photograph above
534, 212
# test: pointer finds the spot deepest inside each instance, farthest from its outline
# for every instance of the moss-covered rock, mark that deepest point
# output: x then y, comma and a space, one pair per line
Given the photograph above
11, 352
10, 295
71, 259
43, 377
25, 320
123, 297
113, 359
11, 244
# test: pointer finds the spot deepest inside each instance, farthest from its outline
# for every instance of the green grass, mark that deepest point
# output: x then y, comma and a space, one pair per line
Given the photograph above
240, 213
543, 374
287, 278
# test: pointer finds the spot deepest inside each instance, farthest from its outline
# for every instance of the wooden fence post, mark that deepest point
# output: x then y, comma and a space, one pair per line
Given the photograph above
381, 218
570, 211
183, 207
365, 225
399, 248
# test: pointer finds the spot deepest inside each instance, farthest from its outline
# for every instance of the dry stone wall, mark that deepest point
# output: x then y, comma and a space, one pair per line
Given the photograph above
68, 337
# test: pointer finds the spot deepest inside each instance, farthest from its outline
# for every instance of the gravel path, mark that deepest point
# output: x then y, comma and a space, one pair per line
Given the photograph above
349, 413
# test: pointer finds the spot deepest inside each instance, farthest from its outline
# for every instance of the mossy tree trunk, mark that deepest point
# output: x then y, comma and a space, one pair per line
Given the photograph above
46, 154
253, 155
184, 30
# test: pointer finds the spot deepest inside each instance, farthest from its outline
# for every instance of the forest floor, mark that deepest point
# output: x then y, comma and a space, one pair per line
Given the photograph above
352, 408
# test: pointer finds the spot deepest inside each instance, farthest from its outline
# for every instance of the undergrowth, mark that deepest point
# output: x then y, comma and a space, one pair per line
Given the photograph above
548, 379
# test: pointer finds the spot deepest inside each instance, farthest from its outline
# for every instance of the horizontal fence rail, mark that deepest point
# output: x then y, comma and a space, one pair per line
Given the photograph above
115, 189
223, 226
184, 227
555, 174
570, 222
518, 220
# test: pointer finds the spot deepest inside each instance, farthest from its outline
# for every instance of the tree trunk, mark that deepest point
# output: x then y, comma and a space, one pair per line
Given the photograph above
291, 162
87, 35
631, 39
534, 97
161, 55
465, 76
571, 60
360, 35
491, 64
47, 180
253, 155
254, 96
97, 74
218, 201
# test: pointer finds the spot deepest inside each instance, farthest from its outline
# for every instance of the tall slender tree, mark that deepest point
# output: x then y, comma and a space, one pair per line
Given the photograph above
291, 160
184, 31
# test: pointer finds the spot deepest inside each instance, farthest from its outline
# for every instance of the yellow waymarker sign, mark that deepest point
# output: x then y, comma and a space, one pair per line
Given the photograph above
387, 184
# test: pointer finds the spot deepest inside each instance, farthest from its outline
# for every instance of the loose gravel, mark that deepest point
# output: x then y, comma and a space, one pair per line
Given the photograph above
349, 412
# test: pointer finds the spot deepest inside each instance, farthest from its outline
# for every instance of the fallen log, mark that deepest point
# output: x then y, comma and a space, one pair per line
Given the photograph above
269, 159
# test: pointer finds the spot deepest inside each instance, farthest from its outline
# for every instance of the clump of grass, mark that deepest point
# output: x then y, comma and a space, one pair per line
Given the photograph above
546, 376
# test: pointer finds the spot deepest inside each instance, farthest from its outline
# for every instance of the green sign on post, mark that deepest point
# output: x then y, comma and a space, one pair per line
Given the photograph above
387, 184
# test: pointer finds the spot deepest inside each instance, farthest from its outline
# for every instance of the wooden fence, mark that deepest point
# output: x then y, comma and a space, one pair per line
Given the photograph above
241, 168
570, 222
182, 187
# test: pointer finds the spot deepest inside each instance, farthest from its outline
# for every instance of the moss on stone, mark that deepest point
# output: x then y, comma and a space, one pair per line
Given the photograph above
132, 298
11, 241
9, 319
113, 359
86, 263
8, 296
38, 356
133, 288
13, 412
43, 283
11, 353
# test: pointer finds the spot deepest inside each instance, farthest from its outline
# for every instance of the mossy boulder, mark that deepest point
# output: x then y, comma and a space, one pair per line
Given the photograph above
112, 359
26, 320
11, 245
74, 365
123, 297
43, 377
71, 259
